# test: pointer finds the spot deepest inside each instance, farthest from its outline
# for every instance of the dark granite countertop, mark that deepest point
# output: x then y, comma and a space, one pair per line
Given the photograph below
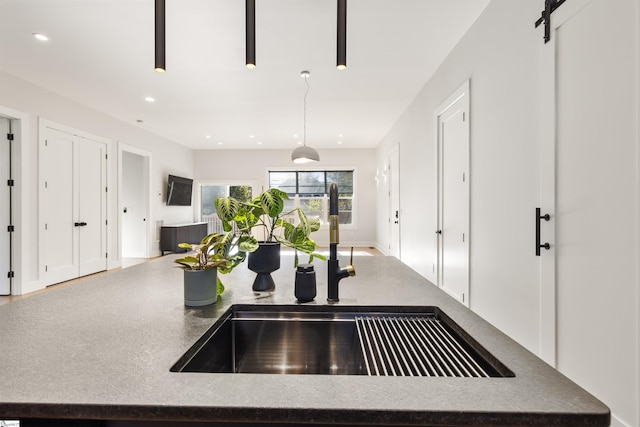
102, 348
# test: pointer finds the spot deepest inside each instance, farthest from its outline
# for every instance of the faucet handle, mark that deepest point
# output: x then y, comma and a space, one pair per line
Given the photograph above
350, 268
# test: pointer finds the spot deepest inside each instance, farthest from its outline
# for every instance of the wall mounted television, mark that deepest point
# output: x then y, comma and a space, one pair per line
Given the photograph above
179, 191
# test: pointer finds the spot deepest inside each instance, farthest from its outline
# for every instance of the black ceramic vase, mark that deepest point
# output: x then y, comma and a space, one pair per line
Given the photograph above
264, 261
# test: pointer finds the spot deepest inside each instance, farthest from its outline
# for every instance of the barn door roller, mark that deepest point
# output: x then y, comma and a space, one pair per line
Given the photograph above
549, 7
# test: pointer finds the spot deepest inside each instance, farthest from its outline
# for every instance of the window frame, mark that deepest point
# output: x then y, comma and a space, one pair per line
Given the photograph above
354, 204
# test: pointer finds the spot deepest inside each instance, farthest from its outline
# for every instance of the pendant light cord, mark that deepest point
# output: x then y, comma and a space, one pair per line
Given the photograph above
304, 130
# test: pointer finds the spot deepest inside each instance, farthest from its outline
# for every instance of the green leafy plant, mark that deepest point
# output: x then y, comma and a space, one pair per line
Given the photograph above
266, 211
221, 251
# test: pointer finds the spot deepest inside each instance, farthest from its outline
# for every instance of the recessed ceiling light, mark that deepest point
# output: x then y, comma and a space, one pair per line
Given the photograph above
40, 37
259, 143
339, 142
295, 135
340, 136
219, 143
250, 136
208, 136
149, 99
299, 142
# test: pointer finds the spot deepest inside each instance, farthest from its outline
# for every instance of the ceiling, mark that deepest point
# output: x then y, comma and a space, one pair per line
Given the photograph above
101, 54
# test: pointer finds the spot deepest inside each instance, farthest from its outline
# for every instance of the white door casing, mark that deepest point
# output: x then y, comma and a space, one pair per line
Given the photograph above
452, 124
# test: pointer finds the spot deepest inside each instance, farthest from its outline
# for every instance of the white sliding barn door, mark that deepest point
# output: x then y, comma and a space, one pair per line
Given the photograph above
591, 139
72, 206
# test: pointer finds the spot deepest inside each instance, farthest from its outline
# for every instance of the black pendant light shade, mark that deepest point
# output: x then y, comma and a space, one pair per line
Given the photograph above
160, 36
250, 11
342, 35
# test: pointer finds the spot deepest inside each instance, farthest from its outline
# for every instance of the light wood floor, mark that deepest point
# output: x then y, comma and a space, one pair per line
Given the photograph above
128, 262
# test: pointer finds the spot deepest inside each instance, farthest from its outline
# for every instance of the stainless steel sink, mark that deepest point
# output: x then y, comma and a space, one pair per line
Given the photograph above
339, 340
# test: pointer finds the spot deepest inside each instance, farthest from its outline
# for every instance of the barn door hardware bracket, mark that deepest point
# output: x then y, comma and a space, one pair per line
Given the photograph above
546, 217
549, 7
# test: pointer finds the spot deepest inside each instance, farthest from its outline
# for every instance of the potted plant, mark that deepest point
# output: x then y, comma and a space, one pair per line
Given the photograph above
215, 253
266, 213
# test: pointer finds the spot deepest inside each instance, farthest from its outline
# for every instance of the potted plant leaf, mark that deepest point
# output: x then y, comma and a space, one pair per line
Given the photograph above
216, 253
265, 213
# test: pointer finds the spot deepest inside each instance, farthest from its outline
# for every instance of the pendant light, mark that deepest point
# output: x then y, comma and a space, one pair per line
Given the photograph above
341, 62
250, 33
304, 154
160, 37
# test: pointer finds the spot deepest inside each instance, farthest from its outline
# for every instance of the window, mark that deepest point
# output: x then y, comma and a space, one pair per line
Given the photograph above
309, 190
208, 195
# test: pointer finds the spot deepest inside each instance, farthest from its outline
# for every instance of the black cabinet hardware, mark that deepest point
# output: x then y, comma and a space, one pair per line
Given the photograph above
546, 217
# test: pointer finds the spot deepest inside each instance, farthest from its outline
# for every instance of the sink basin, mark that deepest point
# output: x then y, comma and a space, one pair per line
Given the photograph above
339, 340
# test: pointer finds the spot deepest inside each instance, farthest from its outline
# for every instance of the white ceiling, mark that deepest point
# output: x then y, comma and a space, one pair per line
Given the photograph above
101, 53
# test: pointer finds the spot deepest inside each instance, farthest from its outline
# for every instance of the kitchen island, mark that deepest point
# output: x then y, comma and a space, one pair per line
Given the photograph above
98, 352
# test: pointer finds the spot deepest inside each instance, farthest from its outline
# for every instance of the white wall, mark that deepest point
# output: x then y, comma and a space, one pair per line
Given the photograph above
501, 55
168, 157
252, 165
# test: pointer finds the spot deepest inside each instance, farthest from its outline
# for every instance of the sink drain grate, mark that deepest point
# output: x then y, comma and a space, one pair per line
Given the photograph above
413, 346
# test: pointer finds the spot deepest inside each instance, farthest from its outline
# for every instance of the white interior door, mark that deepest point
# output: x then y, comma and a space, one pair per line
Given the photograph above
591, 138
58, 212
72, 206
453, 201
596, 193
92, 201
394, 202
5, 250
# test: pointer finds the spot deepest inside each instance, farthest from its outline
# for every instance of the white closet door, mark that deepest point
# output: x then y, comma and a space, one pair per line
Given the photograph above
92, 201
453, 200
73, 206
58, 211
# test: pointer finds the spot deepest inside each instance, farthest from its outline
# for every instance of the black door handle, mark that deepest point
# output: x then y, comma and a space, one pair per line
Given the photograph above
77, 224
546, 217
439, 232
